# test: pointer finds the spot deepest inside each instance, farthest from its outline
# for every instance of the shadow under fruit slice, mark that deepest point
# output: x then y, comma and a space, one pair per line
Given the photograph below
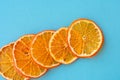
40, 49
23, 60
59, 48
85, 38
7, 68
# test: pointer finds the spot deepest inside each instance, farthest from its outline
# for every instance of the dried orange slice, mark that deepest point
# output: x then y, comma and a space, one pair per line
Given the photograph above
59, 48
85, 38
23, 59
40, 51
7, 68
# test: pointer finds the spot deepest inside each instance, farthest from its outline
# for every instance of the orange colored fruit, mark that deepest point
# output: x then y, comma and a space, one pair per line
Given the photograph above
7, 68
23, 59
85, 38
59, 48
40, 50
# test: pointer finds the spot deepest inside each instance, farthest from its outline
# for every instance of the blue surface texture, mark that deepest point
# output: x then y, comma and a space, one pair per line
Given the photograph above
19, 17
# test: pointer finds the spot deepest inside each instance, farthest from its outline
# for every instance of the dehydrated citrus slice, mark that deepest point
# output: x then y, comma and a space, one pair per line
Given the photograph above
23, 59
7, 68
40, 51
85, 38
59, 48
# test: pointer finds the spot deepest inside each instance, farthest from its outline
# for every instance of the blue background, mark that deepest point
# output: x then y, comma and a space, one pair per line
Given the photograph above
19, 17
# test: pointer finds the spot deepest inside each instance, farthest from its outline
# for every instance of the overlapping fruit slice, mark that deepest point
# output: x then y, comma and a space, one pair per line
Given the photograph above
32, 55
85, 38
23, 60
40, 50
59, 48
7, 68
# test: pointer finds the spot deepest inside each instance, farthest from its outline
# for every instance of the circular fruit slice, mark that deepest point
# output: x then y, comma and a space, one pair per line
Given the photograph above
59, 48
40, 51
7, 68
85, 38
23, 59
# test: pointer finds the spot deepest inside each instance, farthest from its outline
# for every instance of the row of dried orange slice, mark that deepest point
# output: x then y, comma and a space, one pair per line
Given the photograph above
32, 55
